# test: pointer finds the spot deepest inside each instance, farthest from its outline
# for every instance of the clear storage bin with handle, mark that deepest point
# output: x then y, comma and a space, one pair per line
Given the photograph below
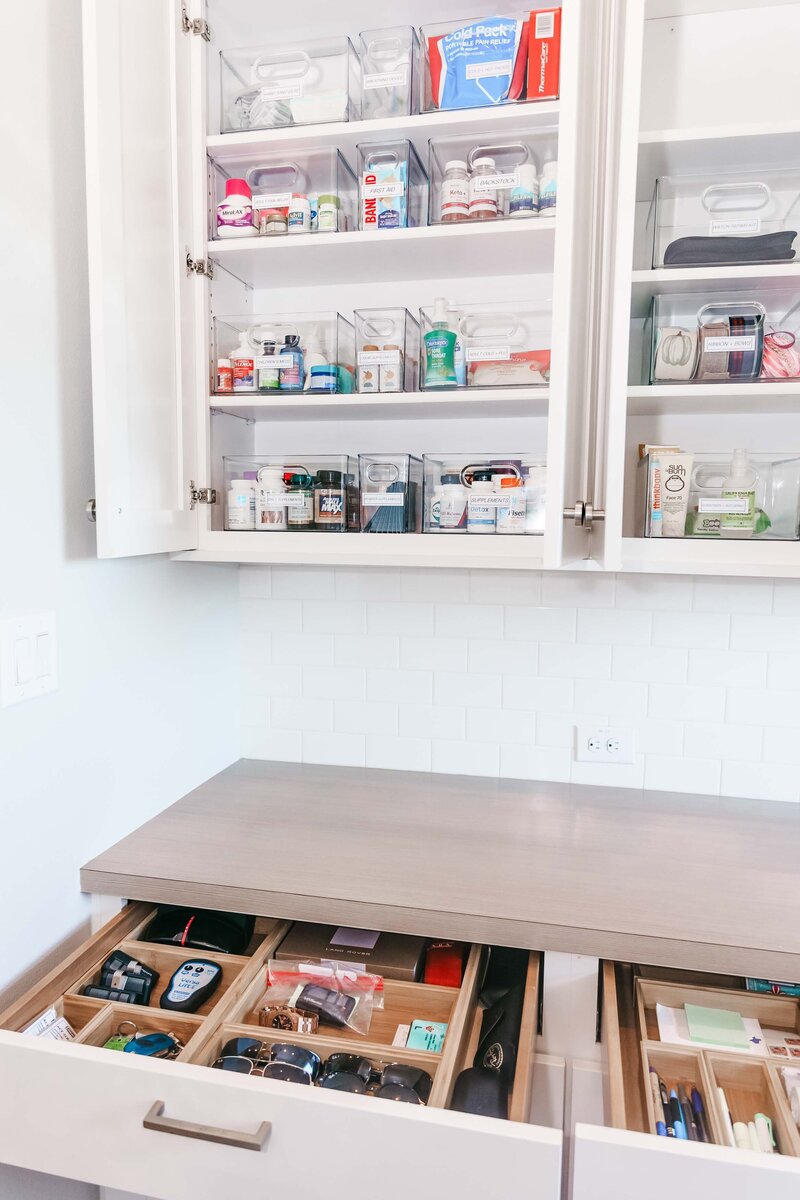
283, 353
736, 495
390, 487
727, 219
492, 494
300, 191
291, 493
496, 345
387, 350
393, 186
490, 178
389, 72
300, 83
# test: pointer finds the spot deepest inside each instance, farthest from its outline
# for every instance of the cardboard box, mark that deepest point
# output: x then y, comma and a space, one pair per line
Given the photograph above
393, 955
544, 53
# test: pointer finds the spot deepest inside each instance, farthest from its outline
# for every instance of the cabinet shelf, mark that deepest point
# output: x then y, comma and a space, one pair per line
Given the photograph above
346, 135
748, 399
666, 281
362, 549
475, 402
505, 247
707, 556
714, 148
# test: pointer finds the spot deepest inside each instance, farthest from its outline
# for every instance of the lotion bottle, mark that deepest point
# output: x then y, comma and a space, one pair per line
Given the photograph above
440, 350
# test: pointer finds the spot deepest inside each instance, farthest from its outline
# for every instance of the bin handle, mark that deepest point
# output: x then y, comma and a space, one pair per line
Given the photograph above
724, 190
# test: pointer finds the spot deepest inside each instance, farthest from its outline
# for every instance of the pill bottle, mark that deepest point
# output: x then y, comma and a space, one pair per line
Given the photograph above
292, 369
368, 372
242, 365
266, 367
480, 507
328, 219
300, 502
240, 505
322, 378
435, 510
454, 191
224, 375
535, 497
548, 189
299, 219
329, 511
270, 501
482, 199
352, 504
313, 202
511, 512
391, 373
272, 221
453, 503
235, 212
524, 200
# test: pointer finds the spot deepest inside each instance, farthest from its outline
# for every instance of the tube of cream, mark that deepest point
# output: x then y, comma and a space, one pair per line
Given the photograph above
676, 474
654, 475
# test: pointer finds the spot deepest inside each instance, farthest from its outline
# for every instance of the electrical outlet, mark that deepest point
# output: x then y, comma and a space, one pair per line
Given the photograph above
603, 745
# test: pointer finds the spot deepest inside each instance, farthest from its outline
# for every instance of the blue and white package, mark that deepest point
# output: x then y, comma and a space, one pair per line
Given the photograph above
474, 66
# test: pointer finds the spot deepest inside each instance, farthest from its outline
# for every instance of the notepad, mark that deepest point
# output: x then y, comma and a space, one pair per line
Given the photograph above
674, 1028
719, 1026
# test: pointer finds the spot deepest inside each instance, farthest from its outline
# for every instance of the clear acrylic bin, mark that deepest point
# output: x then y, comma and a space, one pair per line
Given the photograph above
497, 177
291, 493
487, 61
300, 83
393, 186
484, 494
387, 350
389, 72
713, 514
390, 487
275, 354
301, 191
727, 338
726, 219
496, 345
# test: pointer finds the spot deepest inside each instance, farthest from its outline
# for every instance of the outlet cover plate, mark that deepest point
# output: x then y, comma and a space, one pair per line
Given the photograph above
602, 744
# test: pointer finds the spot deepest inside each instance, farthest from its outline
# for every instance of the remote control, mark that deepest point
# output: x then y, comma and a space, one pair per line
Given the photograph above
191, 985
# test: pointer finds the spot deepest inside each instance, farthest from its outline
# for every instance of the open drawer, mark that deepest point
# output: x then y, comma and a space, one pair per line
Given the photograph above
175, 1130
614, 1161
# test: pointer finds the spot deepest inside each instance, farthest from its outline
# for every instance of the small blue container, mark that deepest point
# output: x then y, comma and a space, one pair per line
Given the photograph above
323, 379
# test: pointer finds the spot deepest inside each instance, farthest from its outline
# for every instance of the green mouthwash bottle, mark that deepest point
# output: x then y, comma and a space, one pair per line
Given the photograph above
440, 350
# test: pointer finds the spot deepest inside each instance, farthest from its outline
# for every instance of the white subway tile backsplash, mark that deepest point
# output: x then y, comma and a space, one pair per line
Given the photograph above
468, 620
488, 672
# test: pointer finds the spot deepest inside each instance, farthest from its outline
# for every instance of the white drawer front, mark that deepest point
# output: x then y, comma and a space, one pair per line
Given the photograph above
78, 1111
612, 1164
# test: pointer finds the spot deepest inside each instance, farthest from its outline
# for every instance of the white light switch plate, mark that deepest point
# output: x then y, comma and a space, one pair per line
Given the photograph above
602, 745
27, 657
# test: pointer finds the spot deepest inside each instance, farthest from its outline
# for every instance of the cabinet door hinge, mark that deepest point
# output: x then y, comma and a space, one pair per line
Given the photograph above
195, 25
199, 266
201, 495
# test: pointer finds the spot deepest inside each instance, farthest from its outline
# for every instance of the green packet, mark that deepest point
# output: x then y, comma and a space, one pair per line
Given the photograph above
772, 987
426, 1035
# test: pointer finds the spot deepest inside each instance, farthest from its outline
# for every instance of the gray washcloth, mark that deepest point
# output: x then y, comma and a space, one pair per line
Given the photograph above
711, 251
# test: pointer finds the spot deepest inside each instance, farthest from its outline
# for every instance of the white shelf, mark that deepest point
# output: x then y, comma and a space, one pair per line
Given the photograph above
452, 405
346, 135
492, 551
667, 281
505, 247
709, 556
750, 399
711, 148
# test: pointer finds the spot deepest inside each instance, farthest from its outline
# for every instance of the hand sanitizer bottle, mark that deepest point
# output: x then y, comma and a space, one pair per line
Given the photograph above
440, 350
740, 489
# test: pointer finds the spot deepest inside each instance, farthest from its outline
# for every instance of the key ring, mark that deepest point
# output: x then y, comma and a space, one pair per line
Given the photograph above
131, 1025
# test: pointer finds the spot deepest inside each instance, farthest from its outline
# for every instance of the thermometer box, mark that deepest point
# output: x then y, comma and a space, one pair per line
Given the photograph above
544, 53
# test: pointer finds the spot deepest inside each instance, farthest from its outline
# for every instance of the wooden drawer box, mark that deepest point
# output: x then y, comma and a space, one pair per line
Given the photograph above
78, 1110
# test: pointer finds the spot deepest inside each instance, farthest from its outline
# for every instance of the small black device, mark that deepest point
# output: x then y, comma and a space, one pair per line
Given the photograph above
191, 985
329, 1006
200, 929
123, 979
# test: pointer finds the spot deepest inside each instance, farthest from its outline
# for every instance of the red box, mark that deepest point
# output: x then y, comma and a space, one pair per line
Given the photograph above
544, 53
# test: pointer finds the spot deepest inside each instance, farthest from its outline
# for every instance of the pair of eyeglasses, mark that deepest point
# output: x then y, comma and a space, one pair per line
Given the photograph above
278, 1060
390, 1081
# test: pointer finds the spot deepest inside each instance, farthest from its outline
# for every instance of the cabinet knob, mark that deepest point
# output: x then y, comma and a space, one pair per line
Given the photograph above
91, 510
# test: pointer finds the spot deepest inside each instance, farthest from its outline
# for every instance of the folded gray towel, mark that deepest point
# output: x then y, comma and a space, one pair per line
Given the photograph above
713, 251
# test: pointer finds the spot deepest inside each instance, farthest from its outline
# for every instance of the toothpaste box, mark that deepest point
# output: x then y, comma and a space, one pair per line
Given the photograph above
544, 53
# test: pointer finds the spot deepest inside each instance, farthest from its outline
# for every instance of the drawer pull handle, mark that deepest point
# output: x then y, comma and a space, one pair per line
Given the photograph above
155, 1119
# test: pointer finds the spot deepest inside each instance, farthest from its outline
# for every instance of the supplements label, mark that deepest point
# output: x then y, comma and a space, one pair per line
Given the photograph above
734, 344
378, 358
489, 70
273, 200
712, 505
487, 353
720, 227
491, 183
375, 191
282, 91
383, 79
383, 499
478, 502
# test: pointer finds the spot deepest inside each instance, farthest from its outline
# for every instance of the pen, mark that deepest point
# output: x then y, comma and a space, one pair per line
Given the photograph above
700, 1116
667, 1110
655, 1088
726, 1118
677, 1118
686, 1113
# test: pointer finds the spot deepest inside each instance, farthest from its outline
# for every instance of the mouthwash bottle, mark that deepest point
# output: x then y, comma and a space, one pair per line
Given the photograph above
440, 350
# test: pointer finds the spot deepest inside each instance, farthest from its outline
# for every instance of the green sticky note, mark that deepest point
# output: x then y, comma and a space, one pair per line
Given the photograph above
719, 1026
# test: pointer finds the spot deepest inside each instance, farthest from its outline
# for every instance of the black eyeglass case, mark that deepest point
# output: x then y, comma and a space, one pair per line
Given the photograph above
200, 929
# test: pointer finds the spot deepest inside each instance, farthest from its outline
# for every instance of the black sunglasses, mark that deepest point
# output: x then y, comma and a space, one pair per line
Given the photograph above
391, 1081
273, 1060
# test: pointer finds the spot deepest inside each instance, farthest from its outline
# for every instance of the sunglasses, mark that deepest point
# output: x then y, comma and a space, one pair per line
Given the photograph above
277, 1060
392, 1081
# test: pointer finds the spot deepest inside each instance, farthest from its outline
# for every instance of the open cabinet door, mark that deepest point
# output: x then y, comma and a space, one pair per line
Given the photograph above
137, 94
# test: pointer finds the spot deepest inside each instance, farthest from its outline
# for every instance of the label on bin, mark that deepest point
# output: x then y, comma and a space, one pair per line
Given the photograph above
378, 190
273, 200
709, 504
378, 358
735, 344
719, 227
383, 499
487, 353
280, 362
493, 183
278, 499
489, 70
282, 91
382, 79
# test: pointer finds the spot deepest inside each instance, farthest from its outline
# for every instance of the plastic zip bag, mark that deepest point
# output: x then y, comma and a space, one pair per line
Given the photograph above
339, 994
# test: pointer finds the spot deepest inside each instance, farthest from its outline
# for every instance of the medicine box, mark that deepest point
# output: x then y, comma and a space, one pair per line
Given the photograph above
393, 186
390, 72
291, 493
497, 345
489, 179
387, 350
296, 83
390, 487
726, 219
283, 353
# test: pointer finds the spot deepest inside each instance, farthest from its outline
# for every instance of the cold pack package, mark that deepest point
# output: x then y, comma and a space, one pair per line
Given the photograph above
479, 64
